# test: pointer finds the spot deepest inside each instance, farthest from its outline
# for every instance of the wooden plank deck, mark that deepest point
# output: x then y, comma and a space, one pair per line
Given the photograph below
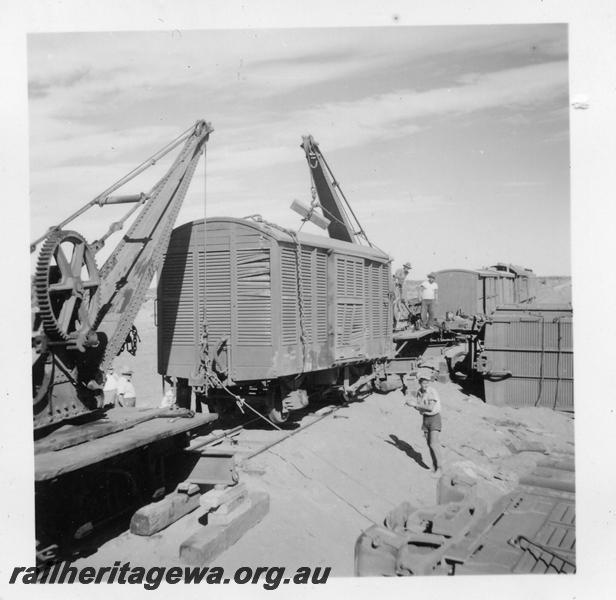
412, 334
115, 419
52, 463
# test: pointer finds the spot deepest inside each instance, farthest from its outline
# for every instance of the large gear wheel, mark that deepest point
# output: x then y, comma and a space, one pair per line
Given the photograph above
66, 284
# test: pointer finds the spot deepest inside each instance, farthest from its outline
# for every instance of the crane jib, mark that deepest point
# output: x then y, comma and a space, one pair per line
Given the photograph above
344, 224
139, 255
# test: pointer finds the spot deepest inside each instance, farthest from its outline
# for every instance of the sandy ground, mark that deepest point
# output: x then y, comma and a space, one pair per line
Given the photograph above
333, 480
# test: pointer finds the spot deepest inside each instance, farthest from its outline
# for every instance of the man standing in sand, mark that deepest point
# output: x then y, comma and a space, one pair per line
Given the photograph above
125, 389
428, 294
428, 404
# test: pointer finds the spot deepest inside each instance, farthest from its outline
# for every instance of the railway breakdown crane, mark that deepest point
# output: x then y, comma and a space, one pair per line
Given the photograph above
82, 316
92, 465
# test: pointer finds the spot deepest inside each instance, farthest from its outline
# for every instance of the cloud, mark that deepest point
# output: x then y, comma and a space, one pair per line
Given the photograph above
41, 87
102, 103
94, 146
37, 89
85, 77
257, 63
339, 125
408, 207
265, 141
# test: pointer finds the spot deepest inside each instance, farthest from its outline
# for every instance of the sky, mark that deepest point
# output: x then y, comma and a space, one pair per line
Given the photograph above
450, 142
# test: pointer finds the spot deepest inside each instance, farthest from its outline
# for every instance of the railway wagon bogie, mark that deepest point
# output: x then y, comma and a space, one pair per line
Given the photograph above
285, 314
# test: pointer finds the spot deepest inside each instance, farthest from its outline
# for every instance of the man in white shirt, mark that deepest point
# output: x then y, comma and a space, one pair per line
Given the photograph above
125, 390
111, 387
428, 293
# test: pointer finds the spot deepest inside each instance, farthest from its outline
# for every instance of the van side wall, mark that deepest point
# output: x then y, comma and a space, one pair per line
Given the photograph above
257, 326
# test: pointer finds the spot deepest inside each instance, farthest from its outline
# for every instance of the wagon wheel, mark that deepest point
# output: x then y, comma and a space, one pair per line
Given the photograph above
277, 416
66, 283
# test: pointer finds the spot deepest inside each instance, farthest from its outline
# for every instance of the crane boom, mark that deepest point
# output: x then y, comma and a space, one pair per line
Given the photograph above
128, 271
82, 315
344, 225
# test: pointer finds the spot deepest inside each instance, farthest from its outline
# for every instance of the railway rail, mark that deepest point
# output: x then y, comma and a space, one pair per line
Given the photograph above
244, 449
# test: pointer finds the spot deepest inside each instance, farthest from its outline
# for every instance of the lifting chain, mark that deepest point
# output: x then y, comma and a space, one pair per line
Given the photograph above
204, 353
300, 295
131, 342
312, 163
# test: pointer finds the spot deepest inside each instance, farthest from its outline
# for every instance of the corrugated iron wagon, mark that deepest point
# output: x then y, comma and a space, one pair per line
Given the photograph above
284, 312
527, 356
525, 281
472, 292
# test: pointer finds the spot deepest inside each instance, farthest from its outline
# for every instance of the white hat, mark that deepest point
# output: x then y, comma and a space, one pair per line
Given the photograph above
424, 373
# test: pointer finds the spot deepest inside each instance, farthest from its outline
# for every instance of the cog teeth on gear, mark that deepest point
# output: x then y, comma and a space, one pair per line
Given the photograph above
41, 284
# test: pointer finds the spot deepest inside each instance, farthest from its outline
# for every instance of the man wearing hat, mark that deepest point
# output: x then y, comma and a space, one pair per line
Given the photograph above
401, 311
125, 390
400, 277
428, 294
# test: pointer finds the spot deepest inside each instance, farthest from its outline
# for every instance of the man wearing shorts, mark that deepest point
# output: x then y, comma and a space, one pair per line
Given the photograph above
428, 404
